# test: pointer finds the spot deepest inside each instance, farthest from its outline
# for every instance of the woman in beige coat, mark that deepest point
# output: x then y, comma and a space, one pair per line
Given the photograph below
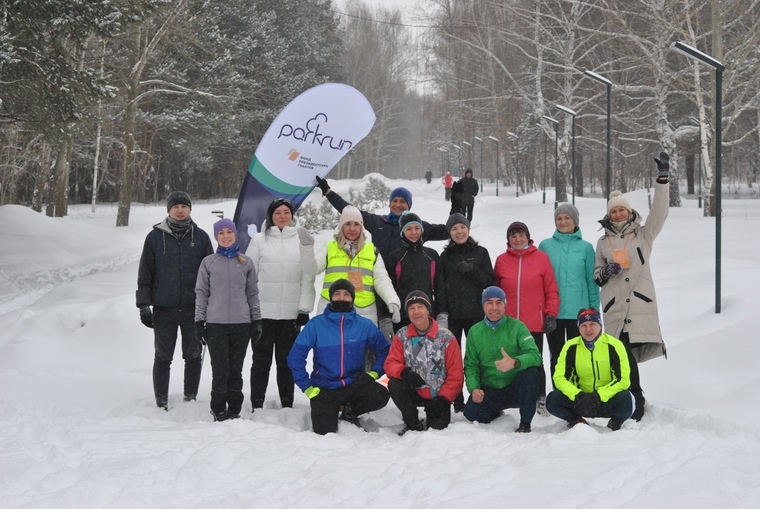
622, 271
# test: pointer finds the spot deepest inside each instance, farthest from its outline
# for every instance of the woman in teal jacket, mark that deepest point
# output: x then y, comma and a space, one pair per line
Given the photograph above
573, 261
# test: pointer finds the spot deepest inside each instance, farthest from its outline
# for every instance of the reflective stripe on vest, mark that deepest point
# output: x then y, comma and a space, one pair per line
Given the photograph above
338, 265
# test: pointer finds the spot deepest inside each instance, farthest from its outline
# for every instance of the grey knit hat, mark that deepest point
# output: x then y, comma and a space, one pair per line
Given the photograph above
570, 210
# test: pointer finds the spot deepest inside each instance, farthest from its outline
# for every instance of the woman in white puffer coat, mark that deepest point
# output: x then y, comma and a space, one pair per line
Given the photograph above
287, 297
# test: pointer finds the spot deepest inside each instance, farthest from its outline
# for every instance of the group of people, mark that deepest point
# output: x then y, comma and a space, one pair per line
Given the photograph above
389, 305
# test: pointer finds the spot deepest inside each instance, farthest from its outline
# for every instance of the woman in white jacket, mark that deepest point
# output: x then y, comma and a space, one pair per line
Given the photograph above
351, 255
287, 297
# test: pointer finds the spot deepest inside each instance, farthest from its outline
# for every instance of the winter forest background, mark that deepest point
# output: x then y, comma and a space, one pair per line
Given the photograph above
124, 100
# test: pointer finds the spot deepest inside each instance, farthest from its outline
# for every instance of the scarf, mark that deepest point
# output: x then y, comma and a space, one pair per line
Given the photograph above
230, 252
179, 227
494, 324
392, 218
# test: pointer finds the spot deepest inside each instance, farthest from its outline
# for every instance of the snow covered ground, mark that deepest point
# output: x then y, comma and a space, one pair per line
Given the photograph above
79, 427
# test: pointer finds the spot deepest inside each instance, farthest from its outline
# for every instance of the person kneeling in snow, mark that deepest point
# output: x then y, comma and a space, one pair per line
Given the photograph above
500, 364
424, 367
592, 376
339, 338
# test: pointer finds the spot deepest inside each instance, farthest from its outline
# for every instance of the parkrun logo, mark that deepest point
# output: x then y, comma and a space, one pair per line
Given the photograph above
311, 134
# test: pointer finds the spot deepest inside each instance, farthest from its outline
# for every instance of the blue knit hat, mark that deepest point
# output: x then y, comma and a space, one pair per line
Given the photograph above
402, 192
493, 292
589, 315
224, 223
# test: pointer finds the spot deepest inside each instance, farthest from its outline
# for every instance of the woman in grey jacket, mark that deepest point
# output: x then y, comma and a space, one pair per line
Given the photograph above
622, 270
227, 316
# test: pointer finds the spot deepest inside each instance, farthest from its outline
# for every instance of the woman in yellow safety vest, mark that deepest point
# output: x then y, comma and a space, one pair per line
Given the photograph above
351, 255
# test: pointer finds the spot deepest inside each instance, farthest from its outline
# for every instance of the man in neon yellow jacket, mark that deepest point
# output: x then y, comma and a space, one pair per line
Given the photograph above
592, 376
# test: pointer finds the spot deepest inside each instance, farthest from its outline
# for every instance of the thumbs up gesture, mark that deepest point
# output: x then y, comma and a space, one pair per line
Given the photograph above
505, 363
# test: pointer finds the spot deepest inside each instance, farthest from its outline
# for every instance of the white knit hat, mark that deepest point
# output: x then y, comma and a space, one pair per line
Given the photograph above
350, 213
618, 200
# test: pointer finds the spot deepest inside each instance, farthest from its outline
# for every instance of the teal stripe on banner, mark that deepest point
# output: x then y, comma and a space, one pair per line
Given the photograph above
273, 184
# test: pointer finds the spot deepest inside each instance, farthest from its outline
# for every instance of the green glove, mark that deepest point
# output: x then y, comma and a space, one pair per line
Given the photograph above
311, 392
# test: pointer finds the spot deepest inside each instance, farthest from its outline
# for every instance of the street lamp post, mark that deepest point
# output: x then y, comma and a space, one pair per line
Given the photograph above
543, 200
481, 162
445, 154
497, 162
695, 54
513, 136
468, 156
556, 154
573, 113
461, 151
608, 84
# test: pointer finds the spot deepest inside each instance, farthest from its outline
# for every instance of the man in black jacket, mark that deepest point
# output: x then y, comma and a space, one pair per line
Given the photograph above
169, 264
469, 188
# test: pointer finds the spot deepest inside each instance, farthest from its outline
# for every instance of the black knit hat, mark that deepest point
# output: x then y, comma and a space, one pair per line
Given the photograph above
408, 218
279, 202
178, 198
418, 297
342, 284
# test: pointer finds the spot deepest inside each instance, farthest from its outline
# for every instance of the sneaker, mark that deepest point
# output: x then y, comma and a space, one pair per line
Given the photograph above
524, 427
613, 425
162, 403
416, 426
640, 404
579, 420
219, 416
190, 397
541, 407
348, 415
232, 415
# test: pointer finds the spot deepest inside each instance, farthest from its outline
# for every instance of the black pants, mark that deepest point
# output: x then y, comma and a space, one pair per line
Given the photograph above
522, 393
406, 399
458, 326
467, 210
277, 337
227, 346
538, 337
629, 348
362, 399
566, 329
166, 321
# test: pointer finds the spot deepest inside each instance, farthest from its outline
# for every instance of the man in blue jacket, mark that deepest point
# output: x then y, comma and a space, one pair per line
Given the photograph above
339, 338
169, 264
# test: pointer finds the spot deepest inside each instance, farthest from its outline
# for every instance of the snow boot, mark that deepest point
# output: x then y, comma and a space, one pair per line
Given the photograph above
524, 427
220, 416
415, 426
579, 420
613, 425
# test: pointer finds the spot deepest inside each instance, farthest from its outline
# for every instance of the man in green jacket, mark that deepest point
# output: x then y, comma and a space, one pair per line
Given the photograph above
500, 364
592, 376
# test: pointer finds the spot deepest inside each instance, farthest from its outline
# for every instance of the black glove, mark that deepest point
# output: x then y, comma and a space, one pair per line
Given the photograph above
255, 331
363, 379
550, 324
146, 316
587, 404
412, 378
200, 332
322, 184
438, 406
302, 319
464, 267
611, 269
663, 165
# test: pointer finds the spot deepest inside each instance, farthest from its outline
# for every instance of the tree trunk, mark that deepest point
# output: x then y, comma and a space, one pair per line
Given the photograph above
62, 172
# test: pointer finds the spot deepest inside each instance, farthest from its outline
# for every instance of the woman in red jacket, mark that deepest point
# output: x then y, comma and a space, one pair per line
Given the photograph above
527, 277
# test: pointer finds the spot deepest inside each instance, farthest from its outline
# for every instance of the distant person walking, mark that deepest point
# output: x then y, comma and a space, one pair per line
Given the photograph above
171, 255
469, 192
448, 181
